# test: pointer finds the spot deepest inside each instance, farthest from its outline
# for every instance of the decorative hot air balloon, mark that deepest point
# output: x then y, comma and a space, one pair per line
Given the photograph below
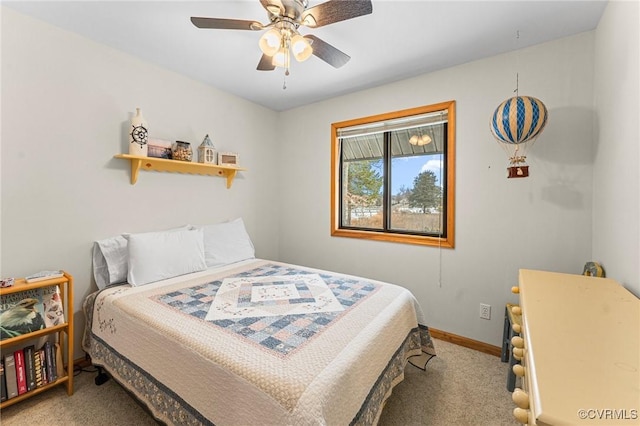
516, 124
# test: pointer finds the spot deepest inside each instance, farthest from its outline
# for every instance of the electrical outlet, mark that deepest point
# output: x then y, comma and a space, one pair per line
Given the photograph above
485, 311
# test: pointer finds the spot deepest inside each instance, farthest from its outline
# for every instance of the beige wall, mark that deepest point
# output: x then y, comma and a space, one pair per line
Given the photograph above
541, 222
66, 103
66, 106
616, 187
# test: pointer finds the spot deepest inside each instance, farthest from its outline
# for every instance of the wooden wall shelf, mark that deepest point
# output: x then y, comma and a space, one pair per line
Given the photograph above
175, 166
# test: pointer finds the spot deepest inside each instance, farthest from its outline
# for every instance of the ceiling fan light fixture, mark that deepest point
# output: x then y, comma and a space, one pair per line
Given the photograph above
281, 39
270, 42
301, 48
280, 58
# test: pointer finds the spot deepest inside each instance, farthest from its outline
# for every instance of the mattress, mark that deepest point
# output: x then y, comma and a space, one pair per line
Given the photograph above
258, 342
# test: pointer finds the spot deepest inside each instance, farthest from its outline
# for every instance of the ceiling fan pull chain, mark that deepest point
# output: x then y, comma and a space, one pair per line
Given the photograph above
287, 56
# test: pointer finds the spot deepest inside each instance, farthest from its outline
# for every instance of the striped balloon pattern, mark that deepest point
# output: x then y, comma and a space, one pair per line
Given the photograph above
518, 120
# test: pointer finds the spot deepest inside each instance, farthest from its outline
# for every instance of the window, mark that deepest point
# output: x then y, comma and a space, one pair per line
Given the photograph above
393, 176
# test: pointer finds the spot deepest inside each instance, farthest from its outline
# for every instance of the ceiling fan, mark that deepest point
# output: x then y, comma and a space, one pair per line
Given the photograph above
283, 39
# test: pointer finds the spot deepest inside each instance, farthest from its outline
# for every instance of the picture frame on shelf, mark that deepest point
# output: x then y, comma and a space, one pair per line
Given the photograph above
159, 148
228, 159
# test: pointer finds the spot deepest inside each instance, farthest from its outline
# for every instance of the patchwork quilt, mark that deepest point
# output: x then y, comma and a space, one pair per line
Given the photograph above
258, 342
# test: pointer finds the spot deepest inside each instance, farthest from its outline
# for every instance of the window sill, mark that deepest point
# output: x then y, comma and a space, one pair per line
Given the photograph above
446, 242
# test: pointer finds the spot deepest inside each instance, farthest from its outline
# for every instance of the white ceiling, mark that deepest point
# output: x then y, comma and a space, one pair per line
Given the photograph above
399, 39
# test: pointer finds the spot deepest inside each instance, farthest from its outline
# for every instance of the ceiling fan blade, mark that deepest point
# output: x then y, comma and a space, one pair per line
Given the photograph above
266, 63
226, 24
327, 52
335, 11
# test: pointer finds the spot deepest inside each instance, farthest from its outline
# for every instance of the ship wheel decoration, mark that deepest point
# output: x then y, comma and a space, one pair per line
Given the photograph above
139, 135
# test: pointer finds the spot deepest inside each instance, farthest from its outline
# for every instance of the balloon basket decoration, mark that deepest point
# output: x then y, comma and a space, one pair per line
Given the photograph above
517, 171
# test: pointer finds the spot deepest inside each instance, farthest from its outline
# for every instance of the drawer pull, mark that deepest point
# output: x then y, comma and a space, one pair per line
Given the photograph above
516, 310
518, 370
517, 328
521, 398
517, 342
521, 415
515, 289
518, 352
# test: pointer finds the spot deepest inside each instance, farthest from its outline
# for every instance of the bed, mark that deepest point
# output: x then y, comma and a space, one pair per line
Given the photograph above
257, 342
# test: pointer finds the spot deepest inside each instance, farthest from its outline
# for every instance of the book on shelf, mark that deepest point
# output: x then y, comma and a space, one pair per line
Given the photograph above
10, 376
3, 383
29, 367
37, 366
50, 361
30, 310
43, 275
43, 366
59, 363
21, 376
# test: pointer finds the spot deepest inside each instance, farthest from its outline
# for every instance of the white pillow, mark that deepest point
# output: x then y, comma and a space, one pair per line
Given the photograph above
110, 261
154, 256
226, 243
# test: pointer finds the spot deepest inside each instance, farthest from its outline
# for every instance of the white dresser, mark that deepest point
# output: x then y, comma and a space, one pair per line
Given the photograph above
580, 351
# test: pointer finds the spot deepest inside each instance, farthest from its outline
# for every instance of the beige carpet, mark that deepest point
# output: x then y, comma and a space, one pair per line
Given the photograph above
460, 387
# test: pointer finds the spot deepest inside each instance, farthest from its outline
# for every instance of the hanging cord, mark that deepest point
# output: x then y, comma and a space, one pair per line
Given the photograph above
440, 260
440, 236
515, 158
517, 62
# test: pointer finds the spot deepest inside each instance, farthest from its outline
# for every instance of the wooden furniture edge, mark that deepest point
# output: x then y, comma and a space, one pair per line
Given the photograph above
175, 166
465, 342
68, 289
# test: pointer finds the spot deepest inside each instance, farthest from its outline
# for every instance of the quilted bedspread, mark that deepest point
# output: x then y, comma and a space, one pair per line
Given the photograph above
258, 343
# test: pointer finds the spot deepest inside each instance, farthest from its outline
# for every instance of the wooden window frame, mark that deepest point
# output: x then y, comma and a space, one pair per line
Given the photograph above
445, 241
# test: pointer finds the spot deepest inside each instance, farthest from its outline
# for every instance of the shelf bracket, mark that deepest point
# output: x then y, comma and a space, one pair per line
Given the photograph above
135, 169
231, 174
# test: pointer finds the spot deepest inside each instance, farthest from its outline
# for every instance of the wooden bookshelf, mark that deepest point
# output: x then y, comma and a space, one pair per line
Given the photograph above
63, 332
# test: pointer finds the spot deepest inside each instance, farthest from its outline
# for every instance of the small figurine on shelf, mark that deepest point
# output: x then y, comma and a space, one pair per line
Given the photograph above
207, 152
7, 282
138, 136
